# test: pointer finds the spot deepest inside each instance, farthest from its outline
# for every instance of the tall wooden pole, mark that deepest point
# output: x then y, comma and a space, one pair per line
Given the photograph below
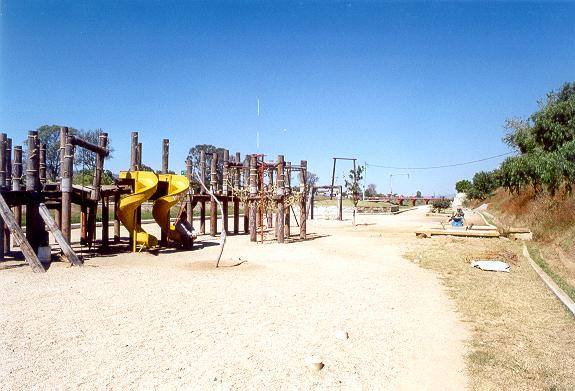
66, 188
116, 220
225, 190
134, 152
2, 160
2, 187
280, 194
43, 163
253, 193
287, 193
302, 188
165, 155
34, 224
17, 181
189, 209
269, 214
105, 221
236, 183
213, 189
8, 185
165, 169
202, 191
246, 186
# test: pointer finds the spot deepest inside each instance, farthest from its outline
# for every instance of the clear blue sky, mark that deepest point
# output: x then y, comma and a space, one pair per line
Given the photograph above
394, 84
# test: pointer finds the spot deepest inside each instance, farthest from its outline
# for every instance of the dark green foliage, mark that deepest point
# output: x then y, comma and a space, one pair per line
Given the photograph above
209, 150
83, 159
441, 204
352, 183
546, 143
462, 186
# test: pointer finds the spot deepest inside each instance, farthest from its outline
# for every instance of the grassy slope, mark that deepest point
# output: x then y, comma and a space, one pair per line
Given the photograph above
552, 221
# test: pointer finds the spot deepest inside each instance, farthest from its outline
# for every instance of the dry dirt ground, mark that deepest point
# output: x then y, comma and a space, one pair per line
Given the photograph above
142, 321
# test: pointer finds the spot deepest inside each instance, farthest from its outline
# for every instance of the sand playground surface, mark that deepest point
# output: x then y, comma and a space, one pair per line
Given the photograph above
167, 321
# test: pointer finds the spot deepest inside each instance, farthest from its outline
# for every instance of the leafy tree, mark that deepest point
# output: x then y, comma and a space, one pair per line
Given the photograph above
352, 183
418, 194
83, 159
484, 183
194, 155
85, 177
371, 190
463, 186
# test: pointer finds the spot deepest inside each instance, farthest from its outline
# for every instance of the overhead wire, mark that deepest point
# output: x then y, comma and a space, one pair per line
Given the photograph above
442, 166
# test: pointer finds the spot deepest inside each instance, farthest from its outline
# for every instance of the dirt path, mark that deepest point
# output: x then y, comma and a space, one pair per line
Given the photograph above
172, 320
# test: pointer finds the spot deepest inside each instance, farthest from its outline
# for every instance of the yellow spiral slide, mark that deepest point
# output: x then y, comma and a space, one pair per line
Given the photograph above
145, 186
177, 186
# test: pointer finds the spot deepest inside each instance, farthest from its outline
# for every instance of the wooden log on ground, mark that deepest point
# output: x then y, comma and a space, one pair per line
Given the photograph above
20, 238
64, 244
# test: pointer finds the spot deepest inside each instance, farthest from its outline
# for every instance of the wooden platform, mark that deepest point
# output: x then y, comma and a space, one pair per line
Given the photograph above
480, 233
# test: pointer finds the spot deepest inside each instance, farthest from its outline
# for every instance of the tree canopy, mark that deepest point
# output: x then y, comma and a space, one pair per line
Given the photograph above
545, 143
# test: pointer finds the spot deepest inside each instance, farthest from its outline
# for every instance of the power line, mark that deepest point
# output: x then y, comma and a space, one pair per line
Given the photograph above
444, 166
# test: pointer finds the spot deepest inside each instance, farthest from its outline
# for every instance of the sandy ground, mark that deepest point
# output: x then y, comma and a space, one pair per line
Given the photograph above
140, 321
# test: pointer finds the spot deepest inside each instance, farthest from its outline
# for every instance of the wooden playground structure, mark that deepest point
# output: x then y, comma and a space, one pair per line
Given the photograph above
262, 189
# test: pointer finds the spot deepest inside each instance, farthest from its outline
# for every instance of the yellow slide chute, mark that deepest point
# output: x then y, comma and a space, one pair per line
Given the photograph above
177, 186
145, 183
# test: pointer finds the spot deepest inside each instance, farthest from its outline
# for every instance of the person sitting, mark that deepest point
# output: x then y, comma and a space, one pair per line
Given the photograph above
186, 230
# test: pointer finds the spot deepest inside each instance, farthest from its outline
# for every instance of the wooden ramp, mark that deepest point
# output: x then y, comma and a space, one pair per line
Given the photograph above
64, 245
20, 238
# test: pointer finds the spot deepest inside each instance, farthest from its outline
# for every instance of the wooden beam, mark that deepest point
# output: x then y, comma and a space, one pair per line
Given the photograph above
20, 238
64, 245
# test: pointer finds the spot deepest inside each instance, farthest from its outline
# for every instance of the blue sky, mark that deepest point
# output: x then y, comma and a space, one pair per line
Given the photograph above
390, 83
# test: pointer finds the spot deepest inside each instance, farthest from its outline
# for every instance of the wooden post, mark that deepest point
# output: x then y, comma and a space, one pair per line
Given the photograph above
268, 214
105, 221
311, 202
302, 188
202, 191
17, 181
2, 161
287, 193
35, 233
64, 245
8, 185
2, 186
20, 238
189, 199
83, 224
339, 205
63, 137
165, 155
281, 206
139, 166
134, 152
225, 190
236, 182
116, 220
213, 189
165, 160
253, 194
97, 181
246, 185
43, 163
66, 188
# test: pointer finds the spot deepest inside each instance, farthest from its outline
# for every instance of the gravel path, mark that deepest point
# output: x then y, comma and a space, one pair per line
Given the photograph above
173, 321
